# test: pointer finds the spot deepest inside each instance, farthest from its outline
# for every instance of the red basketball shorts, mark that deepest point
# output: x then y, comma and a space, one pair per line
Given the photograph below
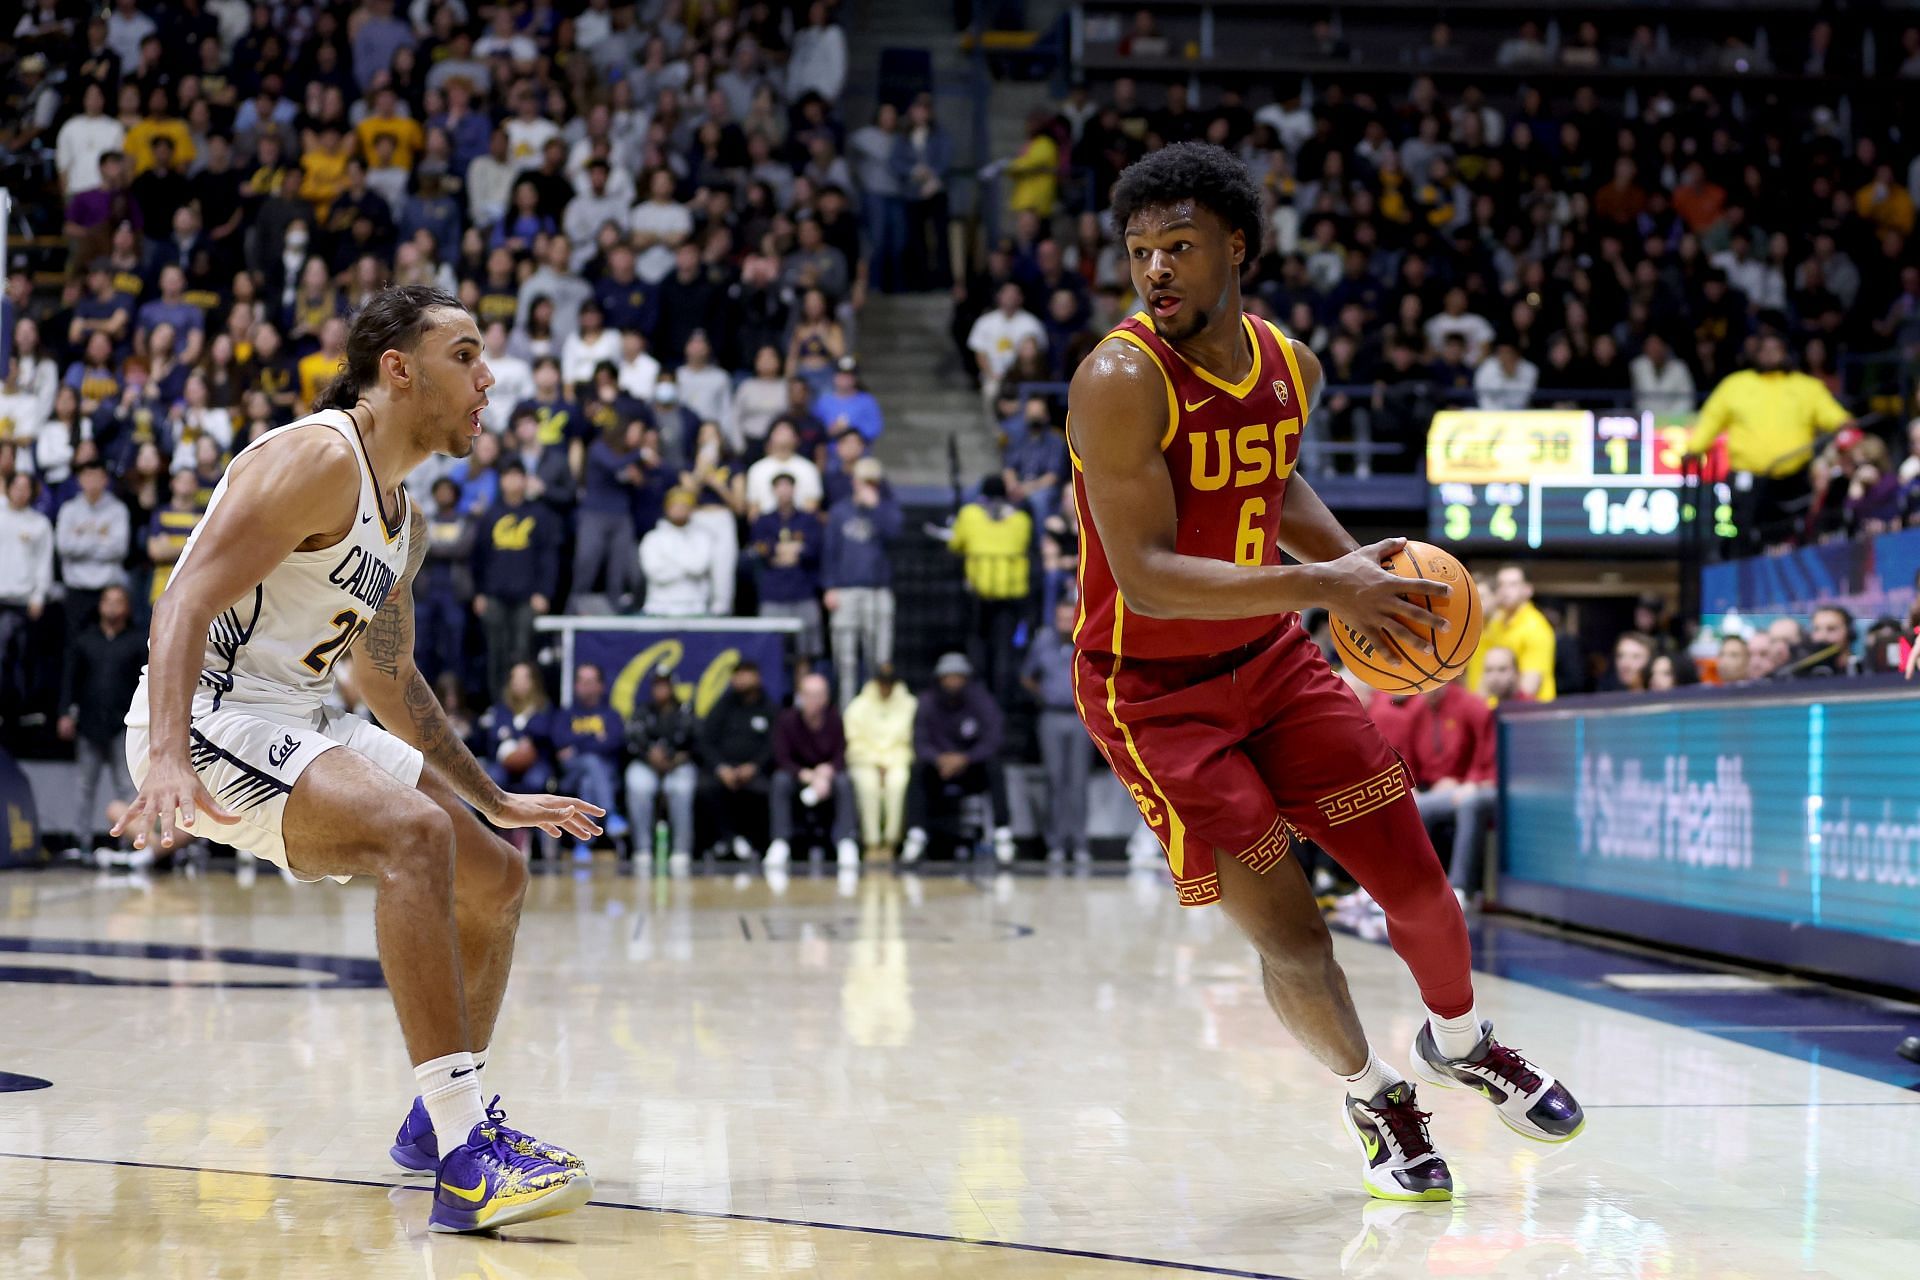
1238, 751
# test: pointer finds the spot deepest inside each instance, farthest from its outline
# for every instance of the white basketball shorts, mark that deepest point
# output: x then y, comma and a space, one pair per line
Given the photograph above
249, 757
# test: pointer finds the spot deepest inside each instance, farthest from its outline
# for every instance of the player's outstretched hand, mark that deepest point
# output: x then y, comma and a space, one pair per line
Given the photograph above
552, 814
1367, 597
171, 789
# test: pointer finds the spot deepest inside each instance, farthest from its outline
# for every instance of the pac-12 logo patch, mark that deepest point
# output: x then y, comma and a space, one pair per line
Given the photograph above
1280, 391
280, 752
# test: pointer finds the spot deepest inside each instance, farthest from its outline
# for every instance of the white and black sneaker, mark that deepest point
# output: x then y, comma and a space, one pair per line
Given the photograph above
1392, 1133
1529, 1101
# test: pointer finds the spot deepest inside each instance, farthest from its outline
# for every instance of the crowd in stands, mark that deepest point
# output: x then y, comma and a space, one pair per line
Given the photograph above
668, 232
1553, 244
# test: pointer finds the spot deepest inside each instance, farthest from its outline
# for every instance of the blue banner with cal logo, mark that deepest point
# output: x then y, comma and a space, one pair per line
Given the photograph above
21, 847
702, 659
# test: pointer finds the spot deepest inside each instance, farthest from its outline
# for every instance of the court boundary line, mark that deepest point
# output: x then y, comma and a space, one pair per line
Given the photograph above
899, 1233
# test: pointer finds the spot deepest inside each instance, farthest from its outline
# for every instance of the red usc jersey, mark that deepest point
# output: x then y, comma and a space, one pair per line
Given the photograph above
1229, 449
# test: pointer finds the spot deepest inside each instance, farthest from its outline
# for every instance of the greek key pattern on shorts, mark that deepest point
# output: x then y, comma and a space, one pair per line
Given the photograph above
1200, 890
1269, 849
1363, 798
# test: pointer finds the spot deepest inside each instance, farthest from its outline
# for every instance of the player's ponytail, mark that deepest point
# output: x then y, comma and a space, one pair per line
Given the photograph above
393, 320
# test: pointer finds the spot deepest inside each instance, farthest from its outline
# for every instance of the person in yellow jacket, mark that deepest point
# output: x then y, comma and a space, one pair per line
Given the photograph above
1772, 417
1515, 624
879, 729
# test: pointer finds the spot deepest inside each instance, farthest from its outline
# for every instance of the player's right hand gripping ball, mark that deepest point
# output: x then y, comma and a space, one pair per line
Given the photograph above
1452, 648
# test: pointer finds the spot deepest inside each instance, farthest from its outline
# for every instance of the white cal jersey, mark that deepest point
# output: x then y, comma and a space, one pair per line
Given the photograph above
277, 645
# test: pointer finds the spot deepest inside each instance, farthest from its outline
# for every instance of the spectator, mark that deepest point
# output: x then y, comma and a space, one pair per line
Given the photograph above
515, 734
443, 590
659, 225
103, 666
1734, 664
786, 547
818, 62
26, 579
512, 380
639, 371
1632, 655
1500, 677
1507, 379
705, 388
516, 561
1830, 634
758, 400
92, 535
783, 458
1447, 738
1772, 418
996, 336
1669, 672
170, 526
661, 738
956, 744
549, 477
1661, 383
676, 560
1035, 465
719, 490
882, 210
1769, 654
922, 156
1036, 170
604, 540
879, 729
1065, 749
810, 765
817, 343
736, 756
587, 737
996, 539
554, 279
848, 407
1455, 318
857, 573
85, 140
1516, 624
587, 348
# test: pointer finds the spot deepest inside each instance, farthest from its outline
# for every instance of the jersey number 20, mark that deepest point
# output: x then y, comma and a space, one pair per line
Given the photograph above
348, 626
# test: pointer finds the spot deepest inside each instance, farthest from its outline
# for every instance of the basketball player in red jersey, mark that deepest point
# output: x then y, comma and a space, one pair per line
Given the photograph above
1203, 691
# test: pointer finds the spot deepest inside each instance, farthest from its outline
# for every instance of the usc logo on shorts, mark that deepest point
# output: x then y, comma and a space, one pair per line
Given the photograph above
1148, 806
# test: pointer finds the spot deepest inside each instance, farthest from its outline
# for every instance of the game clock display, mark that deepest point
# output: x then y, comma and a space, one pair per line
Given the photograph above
1559, 480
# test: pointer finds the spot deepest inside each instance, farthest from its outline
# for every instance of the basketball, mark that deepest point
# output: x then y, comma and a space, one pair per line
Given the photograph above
1452, 648
522, 757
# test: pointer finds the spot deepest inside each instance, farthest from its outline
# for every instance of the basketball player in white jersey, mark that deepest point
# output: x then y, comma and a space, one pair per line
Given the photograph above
309, 546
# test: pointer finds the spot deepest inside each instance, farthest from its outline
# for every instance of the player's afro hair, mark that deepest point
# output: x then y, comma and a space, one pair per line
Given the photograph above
1198, 171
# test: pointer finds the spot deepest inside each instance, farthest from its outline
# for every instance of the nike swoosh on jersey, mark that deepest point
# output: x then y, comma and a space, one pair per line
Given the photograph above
1195, 408
365, 517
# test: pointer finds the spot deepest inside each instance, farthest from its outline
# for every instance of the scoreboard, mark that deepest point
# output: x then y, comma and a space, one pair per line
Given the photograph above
1562, 480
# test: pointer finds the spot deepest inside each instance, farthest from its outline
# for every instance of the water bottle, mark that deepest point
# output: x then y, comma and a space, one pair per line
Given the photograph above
660, 847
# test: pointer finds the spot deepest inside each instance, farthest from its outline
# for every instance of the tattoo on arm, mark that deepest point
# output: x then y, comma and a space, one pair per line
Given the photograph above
388, 649
428, 730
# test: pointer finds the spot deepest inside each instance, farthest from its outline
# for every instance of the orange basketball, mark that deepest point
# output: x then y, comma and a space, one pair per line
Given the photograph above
1451, 648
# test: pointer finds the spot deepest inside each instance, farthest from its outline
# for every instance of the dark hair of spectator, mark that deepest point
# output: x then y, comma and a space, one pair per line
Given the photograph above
1208, 175
1846, 615
393, 320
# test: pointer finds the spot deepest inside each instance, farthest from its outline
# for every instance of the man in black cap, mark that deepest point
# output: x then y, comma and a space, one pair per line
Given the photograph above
957, 734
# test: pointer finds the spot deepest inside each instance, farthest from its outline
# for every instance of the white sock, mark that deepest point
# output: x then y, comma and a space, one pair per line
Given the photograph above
480, 1061
450, 1087
1456, 1036
1372, 1078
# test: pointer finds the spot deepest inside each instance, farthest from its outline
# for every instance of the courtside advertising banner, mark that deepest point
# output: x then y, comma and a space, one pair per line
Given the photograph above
1778, 826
